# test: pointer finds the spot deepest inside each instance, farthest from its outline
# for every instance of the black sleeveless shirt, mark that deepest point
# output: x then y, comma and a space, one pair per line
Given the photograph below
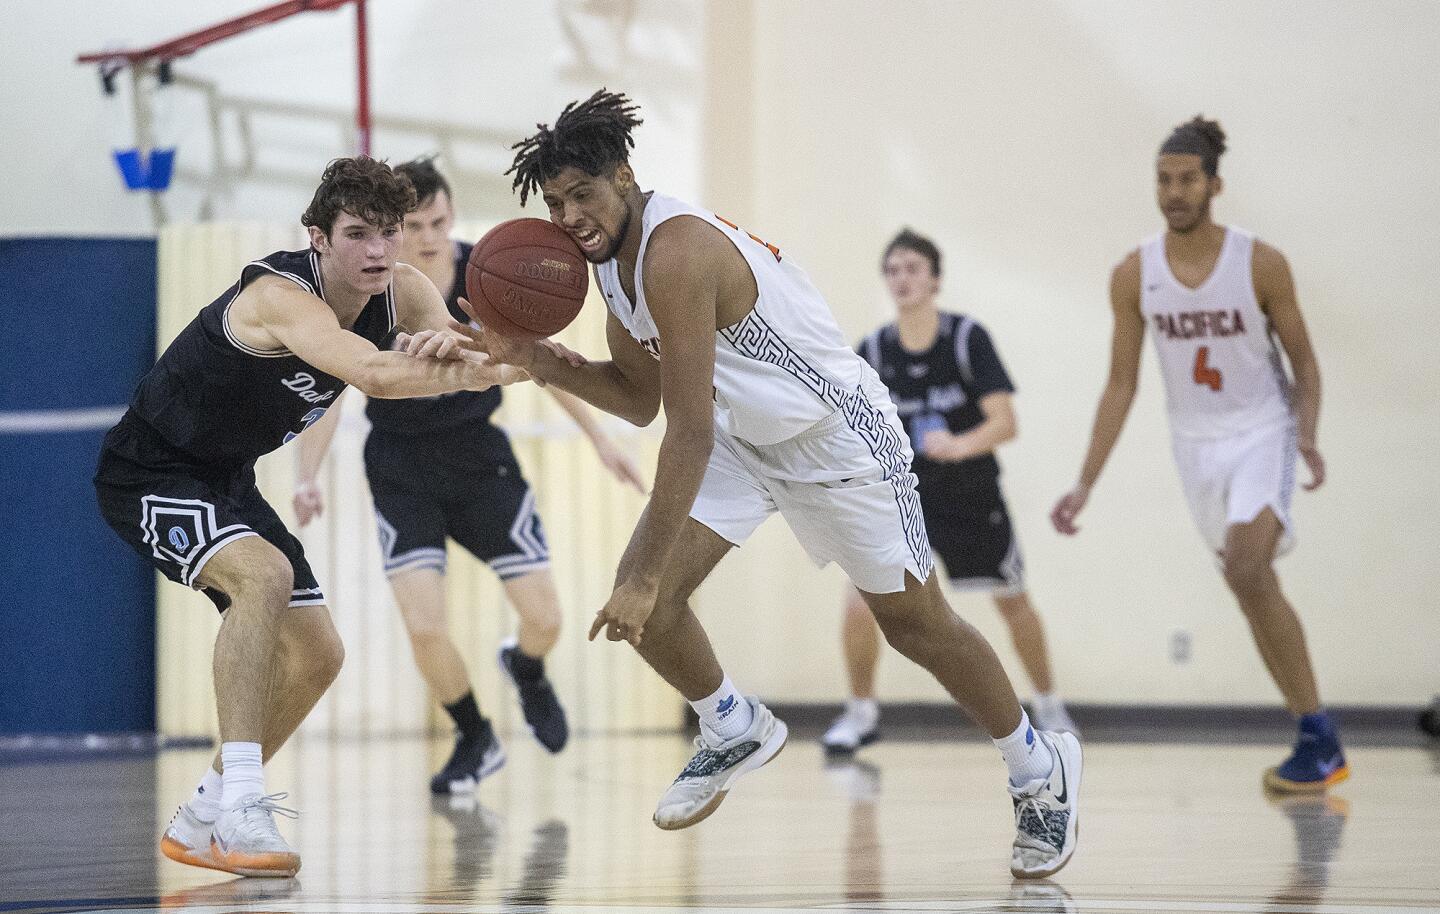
461, 418
226, 403
941, 388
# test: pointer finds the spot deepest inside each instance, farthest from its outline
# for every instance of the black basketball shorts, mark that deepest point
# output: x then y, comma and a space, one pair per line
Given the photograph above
490, 511
971, 535
178, 514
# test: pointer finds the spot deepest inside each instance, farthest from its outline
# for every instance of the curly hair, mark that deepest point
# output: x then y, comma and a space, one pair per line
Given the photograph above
593, 136
1199, 137
363, 187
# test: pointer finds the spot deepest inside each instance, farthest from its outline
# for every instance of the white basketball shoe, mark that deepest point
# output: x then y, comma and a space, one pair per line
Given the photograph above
1047, 820
187, 839
702, 785
246, 841
858, 725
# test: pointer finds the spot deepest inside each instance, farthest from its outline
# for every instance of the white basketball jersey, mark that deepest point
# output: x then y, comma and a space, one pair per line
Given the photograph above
1223, 372
778, 371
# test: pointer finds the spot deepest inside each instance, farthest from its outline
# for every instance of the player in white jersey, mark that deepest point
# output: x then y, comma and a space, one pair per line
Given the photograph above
1215, 299
767, 409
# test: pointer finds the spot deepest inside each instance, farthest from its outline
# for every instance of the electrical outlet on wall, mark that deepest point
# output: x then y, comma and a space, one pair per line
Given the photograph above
1181, 647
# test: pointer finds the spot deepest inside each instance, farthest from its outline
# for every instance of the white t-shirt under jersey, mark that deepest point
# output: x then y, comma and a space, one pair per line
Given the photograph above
1223, 372
781, 369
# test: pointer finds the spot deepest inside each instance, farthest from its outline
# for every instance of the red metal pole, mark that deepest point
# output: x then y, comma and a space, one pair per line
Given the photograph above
362, 63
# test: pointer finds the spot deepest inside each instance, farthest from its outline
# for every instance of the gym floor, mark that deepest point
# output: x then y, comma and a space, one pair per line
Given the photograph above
911, 824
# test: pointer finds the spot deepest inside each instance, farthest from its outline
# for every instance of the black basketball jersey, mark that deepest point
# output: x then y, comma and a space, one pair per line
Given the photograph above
224, 402
465, 413
941, 388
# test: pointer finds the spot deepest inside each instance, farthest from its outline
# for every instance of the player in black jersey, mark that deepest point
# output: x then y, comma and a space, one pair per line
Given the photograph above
438, 468
176, 477
953, 394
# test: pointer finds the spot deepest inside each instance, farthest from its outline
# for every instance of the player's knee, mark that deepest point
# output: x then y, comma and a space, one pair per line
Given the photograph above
906, 632
267, 585
1247, 575
324, 656
856, 611
545, 627
426, 634
1012, 608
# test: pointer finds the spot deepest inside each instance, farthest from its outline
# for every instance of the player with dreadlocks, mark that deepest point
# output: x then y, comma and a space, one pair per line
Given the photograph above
1216, 298
767, 409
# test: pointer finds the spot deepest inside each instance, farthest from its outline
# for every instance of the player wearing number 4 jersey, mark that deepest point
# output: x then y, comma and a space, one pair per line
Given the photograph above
1215, 299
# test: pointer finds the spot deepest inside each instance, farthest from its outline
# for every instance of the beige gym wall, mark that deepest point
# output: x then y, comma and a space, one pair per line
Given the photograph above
1021, 136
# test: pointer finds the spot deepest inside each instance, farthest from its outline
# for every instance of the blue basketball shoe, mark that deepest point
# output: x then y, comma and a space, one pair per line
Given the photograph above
1317, 761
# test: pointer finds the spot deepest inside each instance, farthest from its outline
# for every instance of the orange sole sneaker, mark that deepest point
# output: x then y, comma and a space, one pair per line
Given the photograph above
1275, 782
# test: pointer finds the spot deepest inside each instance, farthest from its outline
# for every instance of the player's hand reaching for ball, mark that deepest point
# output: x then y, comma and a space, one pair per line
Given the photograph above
564, 353
624, 615
520, 353
431, 344
489, 373
508, 350
1068, 508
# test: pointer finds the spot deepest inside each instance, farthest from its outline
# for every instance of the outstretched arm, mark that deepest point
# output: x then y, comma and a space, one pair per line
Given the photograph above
685, 265
615, 460
276, 310
1125, 343
627, 386
1275, 289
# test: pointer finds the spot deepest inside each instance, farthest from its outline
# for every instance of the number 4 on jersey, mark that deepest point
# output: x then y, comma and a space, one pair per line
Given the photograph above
1204, 375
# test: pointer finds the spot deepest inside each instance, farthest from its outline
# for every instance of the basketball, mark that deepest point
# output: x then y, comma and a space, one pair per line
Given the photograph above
526, 278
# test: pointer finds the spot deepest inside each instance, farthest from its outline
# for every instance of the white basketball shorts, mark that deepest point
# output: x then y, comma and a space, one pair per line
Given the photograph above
1229, 481
843, 485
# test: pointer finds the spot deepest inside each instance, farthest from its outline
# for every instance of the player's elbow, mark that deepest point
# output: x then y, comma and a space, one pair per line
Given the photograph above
642, 410
1008, 429
1121, 389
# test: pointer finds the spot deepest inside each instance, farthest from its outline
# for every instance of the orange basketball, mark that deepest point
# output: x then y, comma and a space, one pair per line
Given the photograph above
527, 279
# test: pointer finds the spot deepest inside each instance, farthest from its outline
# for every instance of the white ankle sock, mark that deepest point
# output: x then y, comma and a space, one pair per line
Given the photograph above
1025, 755
244, 776
866, 710
724, 714
206, 801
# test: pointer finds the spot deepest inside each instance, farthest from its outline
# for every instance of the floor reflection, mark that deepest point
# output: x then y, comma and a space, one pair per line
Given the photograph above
234, 892
907, 828
1318, 823
859, 782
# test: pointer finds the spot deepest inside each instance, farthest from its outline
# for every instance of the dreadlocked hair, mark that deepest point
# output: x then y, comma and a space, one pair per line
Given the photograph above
593, 136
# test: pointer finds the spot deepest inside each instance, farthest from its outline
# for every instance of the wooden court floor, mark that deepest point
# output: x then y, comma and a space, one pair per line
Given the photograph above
915, 826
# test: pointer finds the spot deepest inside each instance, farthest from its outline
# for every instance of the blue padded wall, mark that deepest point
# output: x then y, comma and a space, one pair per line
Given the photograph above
77, 606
